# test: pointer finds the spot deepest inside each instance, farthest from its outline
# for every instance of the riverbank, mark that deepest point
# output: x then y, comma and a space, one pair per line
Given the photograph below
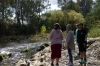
31, 38
13, 38
42, 58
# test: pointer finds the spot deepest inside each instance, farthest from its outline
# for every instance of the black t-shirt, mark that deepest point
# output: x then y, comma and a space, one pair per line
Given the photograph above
81, 34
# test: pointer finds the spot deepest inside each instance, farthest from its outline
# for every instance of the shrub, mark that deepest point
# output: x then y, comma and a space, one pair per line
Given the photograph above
94, 32
43, 29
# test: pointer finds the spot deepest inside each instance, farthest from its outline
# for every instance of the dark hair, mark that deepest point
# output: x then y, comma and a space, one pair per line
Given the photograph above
77, 24
56, 26
81, 24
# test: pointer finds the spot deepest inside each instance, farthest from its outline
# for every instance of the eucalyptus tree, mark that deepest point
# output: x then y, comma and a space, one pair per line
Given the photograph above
85, 6
68, 5
29, 11
37, 6
93, 18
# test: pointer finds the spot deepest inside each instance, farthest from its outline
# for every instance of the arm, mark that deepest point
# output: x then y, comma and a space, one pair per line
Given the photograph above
78, 36
67, 45
68, 39
85, 36
51, 35
61, 35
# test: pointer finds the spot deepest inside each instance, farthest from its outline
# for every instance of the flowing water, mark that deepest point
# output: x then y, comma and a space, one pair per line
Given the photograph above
15, 48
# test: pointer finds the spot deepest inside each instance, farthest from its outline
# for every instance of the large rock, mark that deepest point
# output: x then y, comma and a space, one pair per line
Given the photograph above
46, 44
42, 58
94, 50
42, 46
5, 55
25, 50
1, 58
21, 62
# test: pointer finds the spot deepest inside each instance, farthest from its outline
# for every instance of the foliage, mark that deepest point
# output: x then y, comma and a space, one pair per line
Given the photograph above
39, 37
52, 17
68, 5
29, 17
85, 6
93, 18
94, 32
43, 29
63, 18
74, 17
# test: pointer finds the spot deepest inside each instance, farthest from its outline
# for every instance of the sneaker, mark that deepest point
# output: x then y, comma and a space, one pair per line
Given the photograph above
67, 63
84, 61
52, 64
81, 61
70, 64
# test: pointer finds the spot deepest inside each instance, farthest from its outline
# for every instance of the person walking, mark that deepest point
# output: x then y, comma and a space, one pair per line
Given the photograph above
56, 38
70, 43
81, 39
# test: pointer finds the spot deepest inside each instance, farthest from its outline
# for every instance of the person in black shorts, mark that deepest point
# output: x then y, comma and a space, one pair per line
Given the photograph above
81, 39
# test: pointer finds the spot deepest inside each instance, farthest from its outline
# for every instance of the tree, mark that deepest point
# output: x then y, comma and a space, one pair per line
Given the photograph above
74, 17
68, 5
54, 16
27, 14
29, 11
85, 6
93, 18
43, 29
2, 9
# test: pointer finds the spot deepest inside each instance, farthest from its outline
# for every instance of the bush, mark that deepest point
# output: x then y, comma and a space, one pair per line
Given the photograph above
94, 32
43, 29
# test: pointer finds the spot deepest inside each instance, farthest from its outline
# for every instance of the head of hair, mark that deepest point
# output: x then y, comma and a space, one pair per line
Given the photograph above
77, 25
68, 26
56, 26
81, 24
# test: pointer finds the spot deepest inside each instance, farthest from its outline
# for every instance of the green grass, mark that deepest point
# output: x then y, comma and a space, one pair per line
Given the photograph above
39, 37
94, 32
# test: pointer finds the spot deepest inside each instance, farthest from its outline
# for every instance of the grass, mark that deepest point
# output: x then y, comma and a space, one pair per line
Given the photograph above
94, 32
39, 37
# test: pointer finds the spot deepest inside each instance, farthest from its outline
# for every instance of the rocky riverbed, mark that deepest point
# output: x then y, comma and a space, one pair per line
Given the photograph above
42, 58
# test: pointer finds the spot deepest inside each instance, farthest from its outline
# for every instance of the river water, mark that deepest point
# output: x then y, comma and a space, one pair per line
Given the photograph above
15, 48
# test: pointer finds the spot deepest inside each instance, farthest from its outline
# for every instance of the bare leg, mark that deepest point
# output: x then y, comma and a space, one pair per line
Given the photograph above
84, 54
52, 60
81, 54
57, 60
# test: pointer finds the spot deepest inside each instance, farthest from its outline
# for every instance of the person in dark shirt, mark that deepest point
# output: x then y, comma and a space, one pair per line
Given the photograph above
81, 39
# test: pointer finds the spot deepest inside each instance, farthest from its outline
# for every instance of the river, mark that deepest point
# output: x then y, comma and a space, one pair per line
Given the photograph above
15, 48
